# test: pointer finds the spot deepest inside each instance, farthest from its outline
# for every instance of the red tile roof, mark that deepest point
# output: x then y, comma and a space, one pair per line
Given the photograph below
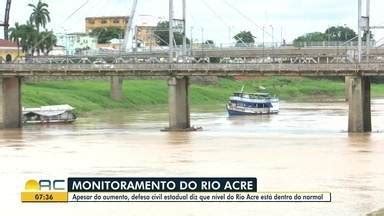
7, 43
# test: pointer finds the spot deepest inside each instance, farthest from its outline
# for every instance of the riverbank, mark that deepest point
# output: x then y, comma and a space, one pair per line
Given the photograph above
88, 96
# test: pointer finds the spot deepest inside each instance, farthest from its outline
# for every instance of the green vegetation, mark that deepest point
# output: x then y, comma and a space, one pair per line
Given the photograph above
40, 15
104, 35
29, 37
244, 37
162, 34
334, 33
94, 95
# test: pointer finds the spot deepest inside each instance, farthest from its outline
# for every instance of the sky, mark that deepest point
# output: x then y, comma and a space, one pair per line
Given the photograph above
216, 20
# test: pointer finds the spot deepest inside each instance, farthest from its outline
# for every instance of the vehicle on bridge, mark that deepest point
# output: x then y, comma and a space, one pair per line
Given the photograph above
49, 114
252, 104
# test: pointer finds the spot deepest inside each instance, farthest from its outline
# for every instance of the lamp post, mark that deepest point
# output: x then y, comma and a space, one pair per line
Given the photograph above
202, 40
263, 36
273, 39
191, 41
359, 47
170, 42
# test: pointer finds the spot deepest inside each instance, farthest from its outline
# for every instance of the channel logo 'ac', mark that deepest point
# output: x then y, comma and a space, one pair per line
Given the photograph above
44, 185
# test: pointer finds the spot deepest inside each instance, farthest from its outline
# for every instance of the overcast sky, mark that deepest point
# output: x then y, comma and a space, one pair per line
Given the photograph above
215, 19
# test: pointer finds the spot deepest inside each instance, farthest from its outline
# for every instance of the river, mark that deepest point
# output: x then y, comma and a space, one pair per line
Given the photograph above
304, 148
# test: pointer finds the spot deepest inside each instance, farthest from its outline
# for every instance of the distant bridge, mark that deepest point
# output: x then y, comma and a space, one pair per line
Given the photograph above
284, 61
202, 69
281, 55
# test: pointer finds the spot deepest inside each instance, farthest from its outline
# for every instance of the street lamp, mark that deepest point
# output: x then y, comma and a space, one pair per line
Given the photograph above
191, 40
273, 39
263, 36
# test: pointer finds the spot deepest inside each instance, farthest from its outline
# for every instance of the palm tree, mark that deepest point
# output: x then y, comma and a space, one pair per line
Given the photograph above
25, 35
47, 40
15, 35
15, 32
40, 15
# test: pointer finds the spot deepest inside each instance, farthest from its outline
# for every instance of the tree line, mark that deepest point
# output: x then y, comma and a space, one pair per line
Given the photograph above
334, 33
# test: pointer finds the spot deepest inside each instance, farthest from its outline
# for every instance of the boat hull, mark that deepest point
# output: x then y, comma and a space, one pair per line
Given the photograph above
243, 111
50, 121
240, 113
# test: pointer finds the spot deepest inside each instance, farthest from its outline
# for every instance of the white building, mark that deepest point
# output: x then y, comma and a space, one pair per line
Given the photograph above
58, 51
77, 43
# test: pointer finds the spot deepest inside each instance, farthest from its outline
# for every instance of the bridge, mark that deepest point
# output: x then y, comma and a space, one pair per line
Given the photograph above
311, 62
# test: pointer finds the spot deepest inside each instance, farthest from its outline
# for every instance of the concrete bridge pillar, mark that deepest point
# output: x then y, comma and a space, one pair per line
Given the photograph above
116, 88
359, 105
347, 87
178, 103
10, 98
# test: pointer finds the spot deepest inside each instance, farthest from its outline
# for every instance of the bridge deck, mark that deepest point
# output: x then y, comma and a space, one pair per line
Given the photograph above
376, 69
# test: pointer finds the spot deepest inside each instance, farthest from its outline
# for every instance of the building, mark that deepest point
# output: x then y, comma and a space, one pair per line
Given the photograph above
58, 51
146, 36
145, 30
113, 45
9, 51
77, 43
92, 23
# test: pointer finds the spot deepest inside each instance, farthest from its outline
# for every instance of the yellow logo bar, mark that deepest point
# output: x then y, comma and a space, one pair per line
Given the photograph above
44, 196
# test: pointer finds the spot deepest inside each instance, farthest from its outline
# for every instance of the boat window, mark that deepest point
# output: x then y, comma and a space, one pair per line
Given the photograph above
260, 105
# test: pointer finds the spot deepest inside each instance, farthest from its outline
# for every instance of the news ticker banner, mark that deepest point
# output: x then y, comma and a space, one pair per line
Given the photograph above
159, 190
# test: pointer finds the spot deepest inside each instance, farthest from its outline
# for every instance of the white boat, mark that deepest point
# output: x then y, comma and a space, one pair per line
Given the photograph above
49, 114
252, 104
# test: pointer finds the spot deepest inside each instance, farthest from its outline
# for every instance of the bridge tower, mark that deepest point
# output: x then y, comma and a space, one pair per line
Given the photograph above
359, 87
116, 81
178, 87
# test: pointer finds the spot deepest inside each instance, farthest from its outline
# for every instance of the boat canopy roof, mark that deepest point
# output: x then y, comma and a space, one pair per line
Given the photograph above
253, 94
49, 110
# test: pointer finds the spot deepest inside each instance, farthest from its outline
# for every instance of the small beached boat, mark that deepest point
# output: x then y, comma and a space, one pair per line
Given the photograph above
49, 114
252, 104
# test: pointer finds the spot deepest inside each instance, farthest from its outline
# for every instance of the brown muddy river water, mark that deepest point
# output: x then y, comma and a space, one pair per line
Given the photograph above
303, 148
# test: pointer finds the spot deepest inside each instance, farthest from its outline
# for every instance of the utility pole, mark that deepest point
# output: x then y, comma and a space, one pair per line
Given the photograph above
191, 45
202, 40
281, 36
263, 36
170, 31
364, 26
184, 28
359, 51
368, 29
273, 39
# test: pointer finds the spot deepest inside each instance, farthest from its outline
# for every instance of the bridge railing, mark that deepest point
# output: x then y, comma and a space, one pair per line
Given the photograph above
191, 69
332, 44
225, 47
